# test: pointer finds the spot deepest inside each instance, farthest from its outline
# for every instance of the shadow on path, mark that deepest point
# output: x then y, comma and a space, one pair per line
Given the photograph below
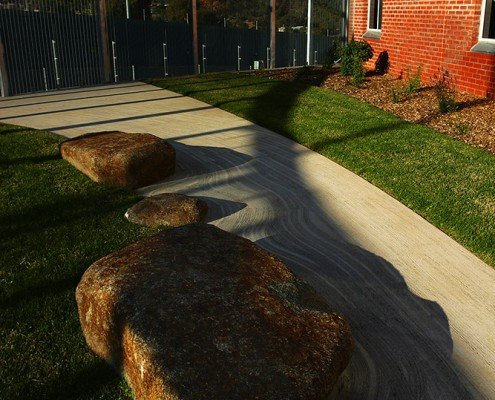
403, 342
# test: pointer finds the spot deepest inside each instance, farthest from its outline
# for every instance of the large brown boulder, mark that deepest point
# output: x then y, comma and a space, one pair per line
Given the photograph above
198, 313
168, 209
118, 158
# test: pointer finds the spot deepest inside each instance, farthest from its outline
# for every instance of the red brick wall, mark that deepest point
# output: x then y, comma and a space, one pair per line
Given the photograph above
431, 34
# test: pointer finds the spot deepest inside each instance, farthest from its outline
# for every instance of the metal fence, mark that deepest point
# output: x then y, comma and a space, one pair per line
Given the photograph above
53, 47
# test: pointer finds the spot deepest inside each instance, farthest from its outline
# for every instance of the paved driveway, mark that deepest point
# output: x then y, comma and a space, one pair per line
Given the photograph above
422, 307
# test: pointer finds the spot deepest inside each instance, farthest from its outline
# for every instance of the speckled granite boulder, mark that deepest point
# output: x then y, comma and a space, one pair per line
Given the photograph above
118, 158
198, 313
168, 209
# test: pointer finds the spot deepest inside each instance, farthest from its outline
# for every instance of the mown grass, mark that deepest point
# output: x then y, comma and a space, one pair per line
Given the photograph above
54, 222
446, 181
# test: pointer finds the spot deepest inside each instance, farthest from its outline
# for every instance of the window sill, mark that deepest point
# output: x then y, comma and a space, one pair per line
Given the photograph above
372, 34
484, 47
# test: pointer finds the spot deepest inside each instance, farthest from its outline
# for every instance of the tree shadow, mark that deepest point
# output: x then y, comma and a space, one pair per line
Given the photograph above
87, 383
49, 287
201, 160
44, 216
220, 208
404, 346
28, 160
403, 342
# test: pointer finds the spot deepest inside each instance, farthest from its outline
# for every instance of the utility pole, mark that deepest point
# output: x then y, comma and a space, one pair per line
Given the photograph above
195, 35
308, 39
273, 32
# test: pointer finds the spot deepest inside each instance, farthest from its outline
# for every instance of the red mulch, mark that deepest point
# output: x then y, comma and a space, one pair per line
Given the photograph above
473, 122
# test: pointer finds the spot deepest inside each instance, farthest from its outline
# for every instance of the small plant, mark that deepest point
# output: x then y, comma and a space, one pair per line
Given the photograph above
413, 82
332, 55
353, 55
445, 91
394, 95
462, 129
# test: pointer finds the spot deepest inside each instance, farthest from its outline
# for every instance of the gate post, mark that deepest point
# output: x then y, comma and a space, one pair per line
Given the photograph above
102, 16
273, 32
195, 36
4, 79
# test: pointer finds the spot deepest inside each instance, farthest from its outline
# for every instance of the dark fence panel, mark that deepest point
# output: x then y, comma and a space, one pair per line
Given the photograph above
230, 49
45, 51
61, 48
148, 49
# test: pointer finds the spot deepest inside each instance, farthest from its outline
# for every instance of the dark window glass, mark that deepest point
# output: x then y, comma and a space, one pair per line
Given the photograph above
376, 14
489, 23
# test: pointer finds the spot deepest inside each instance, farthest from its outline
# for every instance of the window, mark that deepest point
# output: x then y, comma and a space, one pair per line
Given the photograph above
375, 14
488, 20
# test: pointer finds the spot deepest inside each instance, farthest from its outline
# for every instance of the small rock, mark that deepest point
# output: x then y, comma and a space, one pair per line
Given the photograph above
168, 209
118, 158
198, 313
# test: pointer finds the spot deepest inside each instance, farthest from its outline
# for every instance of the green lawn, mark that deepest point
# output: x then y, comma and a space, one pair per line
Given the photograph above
446, 181
54, 222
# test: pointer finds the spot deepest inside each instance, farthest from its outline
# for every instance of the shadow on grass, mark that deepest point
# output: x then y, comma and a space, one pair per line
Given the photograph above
54, 214
28, 160
87, 383
40, 290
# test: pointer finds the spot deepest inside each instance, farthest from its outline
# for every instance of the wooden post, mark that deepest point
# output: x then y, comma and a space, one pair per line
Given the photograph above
273, 32
107, 65
4, 79
195, 35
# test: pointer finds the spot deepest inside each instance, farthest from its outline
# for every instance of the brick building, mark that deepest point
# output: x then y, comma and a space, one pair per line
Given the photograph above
458, 35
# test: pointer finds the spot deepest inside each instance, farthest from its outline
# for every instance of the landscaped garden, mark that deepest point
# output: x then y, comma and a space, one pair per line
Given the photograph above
443, 179
55, 222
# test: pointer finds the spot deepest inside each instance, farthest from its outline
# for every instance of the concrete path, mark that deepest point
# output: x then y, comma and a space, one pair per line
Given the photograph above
422, 307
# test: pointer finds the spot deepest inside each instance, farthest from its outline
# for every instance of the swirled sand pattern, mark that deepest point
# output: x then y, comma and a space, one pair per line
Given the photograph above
422, 308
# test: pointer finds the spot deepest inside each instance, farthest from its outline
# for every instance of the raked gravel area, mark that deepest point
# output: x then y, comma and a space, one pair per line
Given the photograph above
422, 308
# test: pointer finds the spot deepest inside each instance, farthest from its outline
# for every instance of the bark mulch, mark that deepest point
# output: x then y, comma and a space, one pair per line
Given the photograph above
473, 122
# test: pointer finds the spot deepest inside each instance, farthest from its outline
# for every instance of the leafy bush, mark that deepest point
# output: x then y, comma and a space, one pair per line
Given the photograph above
332, 55
352, 53
382, 63
413, 82
357, 72
445, 91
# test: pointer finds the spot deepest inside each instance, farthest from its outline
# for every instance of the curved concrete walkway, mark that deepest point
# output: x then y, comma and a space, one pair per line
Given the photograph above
421, 306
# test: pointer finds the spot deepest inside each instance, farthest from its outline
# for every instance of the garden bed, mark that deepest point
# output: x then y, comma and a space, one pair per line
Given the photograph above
473, 122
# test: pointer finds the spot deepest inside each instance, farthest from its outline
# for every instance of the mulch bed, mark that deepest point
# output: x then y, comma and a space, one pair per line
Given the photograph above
473, 122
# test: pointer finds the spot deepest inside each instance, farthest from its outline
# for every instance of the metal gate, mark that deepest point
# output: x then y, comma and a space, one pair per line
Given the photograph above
53, 44
49, 48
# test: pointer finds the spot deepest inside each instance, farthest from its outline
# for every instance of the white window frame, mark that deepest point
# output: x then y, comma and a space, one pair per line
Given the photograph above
379, 12
482, 24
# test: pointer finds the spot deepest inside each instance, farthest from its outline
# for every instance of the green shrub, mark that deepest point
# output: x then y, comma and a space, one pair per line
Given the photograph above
332, 55
445, 91
357, 72
413, 82
352, 53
